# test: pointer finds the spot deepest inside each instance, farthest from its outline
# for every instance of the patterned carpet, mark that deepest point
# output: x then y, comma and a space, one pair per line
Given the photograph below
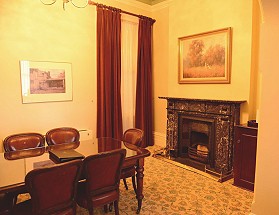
172, 190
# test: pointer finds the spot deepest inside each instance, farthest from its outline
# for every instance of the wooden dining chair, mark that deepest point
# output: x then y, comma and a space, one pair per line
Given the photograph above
52, 190
24, 145
102, 174
63, 138
133, 136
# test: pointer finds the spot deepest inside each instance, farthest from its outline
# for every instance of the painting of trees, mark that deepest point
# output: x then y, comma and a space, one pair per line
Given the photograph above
195, 54
205, 56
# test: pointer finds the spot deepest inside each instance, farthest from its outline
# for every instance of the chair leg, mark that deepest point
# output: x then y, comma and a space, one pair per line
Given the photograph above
91, 211
110, 207
125, 183
106, 208
134, 184
116, 209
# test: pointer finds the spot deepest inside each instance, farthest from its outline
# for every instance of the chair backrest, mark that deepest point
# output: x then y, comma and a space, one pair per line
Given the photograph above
133, 136
62, 135
16, 142
102, 172
53, 189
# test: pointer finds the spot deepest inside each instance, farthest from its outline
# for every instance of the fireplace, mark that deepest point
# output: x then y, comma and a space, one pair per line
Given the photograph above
200, 133
196, 137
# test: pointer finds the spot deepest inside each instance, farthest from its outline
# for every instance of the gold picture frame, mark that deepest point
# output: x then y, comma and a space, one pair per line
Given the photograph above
43, 81
205, 57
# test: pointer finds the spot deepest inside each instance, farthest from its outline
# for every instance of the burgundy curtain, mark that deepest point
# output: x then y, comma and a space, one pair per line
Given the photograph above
109, 116
144, 112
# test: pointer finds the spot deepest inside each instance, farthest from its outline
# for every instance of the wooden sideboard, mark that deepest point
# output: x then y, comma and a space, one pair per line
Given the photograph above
245, 156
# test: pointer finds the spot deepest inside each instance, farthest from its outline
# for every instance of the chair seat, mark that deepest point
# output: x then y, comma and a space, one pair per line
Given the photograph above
97, 200
128, 172
6, 203
23, 208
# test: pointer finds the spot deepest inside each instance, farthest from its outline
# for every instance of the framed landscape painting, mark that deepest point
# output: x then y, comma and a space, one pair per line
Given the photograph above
45, 81
205, 57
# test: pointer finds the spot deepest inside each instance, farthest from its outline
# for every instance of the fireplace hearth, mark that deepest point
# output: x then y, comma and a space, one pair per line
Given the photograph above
200, 133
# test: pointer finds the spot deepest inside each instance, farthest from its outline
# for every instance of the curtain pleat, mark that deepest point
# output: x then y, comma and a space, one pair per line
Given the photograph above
144, 111
109, 116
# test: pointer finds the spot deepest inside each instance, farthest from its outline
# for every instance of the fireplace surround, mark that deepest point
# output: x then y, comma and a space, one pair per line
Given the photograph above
200, 133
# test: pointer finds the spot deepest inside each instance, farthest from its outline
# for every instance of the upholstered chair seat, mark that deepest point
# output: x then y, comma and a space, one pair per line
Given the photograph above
6, 203
101, 199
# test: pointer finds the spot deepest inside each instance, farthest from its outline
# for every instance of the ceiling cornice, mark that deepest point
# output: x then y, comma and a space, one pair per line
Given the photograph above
150, 2
137, 4
147, 7
161, 5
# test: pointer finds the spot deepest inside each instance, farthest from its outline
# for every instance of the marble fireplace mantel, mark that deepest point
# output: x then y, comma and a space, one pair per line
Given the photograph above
223, 115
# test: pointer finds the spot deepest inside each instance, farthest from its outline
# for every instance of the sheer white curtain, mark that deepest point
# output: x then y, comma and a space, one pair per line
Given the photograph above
129, 47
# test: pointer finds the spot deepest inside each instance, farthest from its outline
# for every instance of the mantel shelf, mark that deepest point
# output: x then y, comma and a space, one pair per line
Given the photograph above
203, 100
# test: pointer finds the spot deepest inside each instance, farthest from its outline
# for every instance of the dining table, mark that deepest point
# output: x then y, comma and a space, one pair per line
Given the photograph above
14, 169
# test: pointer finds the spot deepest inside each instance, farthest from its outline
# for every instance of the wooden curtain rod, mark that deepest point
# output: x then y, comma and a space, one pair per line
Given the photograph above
122, 11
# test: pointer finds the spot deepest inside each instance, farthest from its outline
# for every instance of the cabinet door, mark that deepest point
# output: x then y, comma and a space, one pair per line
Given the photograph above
245, 157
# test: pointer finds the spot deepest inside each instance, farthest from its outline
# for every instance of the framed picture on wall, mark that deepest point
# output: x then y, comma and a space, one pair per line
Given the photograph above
205, 57
45, 81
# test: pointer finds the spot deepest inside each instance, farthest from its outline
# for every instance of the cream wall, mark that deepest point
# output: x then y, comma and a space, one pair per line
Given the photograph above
160, 75
187, 17
266, 194
192, 17
33, 31
255, 77
36, 32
